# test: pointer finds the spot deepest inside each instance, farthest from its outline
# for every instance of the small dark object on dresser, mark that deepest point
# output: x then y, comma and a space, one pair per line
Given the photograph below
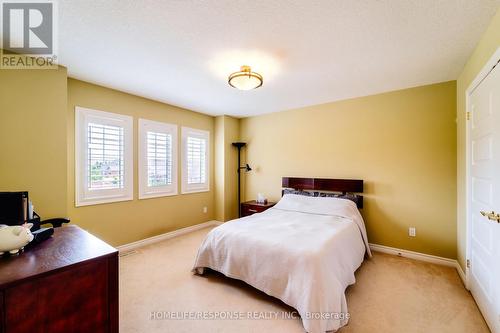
39, 236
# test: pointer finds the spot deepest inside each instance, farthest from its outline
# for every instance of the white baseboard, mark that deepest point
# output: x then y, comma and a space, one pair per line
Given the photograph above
462, 275
414, 255
168, 235
422, 257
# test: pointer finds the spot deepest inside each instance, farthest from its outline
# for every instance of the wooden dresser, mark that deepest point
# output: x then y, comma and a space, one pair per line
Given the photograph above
68, 283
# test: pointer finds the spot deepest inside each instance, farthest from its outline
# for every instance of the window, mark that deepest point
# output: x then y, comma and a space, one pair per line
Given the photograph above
157, 159
103, 157
195, 161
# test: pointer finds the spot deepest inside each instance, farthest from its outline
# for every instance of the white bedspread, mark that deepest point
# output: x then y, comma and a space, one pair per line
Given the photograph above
304, 255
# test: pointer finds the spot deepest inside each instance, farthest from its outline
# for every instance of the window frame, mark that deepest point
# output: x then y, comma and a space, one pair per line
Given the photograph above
195, 188
145, 191
84, 196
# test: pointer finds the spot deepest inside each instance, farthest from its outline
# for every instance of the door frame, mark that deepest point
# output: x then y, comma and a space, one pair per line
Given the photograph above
488, 66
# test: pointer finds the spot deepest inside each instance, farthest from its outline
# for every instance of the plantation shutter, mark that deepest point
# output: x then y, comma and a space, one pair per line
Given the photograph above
105, 169
159, 159
196, 160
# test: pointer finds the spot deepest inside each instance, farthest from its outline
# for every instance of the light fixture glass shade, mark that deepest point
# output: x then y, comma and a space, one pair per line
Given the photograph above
245, 79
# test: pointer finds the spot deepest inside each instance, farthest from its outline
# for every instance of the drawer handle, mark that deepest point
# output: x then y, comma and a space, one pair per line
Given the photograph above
252, 210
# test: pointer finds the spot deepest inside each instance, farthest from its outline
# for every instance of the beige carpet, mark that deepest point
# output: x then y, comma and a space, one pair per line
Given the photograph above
391, 294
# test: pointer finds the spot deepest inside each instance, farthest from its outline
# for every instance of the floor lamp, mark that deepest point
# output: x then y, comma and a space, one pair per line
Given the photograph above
247, 168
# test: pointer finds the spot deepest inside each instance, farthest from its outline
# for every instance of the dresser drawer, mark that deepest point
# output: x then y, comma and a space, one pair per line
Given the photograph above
74, 300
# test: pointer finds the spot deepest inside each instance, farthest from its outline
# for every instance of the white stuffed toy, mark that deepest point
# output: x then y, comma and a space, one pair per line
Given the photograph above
14, 238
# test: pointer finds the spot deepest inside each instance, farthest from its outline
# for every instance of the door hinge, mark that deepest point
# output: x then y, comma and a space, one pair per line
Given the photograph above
467, 115
468, 263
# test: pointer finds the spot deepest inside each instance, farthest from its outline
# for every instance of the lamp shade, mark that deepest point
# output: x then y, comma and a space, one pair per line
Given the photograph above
245, 79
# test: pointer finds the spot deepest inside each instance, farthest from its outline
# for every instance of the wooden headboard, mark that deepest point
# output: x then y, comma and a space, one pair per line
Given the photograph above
325, 184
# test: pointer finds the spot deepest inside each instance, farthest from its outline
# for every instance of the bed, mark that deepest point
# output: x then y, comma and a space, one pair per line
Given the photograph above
303, 251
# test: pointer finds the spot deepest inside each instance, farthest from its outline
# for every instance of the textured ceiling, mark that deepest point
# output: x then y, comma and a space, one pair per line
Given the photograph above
310, 52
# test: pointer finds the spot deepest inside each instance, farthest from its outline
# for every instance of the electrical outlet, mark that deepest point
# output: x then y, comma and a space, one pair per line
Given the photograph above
205, 210
412, 232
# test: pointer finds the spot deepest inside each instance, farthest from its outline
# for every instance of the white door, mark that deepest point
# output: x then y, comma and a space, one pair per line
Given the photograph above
484, 197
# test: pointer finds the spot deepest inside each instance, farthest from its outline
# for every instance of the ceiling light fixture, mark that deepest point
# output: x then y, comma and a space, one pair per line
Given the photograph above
245, 79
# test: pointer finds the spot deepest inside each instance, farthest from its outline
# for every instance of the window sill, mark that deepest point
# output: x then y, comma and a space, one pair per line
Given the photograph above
143, 196
101, 201
195, 191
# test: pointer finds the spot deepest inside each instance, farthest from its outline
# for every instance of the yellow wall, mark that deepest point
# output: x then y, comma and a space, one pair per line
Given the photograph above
488, 44
124, 222
33, 137
226, 159
402, 143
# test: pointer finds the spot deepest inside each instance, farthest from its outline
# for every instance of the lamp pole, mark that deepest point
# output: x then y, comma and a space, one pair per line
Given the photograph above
239, 145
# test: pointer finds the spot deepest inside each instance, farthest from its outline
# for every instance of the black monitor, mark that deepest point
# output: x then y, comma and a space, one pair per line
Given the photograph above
13, 208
